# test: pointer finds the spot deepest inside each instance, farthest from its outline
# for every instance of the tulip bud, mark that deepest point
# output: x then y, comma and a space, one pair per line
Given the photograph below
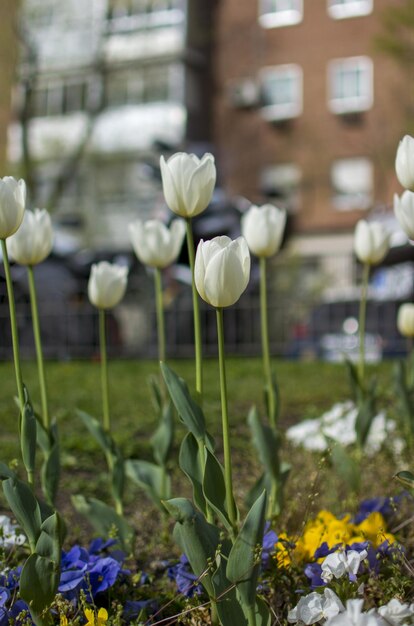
404, 162
188, 182
404, 212
371, 242
12, 205
107, 284
263, 229
33, 242
222, 270
156, 245
405, 319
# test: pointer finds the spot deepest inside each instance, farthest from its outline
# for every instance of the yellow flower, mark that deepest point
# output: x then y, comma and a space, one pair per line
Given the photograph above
373, 529
282, 556
63, 620
96, 621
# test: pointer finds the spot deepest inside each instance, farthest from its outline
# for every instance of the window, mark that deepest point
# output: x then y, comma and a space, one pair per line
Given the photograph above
58, 98
146, 84
135, 14
281, 184
341, 9
281, 92
280, 12
352, 183
350, 85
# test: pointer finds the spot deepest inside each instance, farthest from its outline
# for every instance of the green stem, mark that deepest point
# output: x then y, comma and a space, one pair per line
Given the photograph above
159, 305
251, 616
225, 422
202, 456
13, 322
39, 350
265, 344
104, 371
214, 613
362, 319
196, 313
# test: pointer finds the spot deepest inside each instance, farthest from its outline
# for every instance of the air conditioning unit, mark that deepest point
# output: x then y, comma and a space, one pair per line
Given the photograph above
244, 94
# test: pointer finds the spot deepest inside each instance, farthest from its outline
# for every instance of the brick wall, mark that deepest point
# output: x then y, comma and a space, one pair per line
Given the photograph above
247, 143
8, 11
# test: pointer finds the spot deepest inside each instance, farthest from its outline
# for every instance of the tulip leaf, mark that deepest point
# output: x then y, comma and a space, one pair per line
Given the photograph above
345, 466
406, 478
267, 444
25, 507
163, 438
50, 472
117, 466
188, 410
96, 430
191, 464
156, 394
198, 539
366, 414
244, 562
6, 472
39, 580
353, 379
105, 519
51, 538
150, 477
214, 489
28, 436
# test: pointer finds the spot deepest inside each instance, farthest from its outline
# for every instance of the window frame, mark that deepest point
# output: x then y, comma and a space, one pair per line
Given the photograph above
355, 8
280, 18
352, 103
360, 200
283, 111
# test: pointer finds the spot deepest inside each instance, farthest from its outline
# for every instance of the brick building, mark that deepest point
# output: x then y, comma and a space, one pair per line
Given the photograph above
308, 113
8, 58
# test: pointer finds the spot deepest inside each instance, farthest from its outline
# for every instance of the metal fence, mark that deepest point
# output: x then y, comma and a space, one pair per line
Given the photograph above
298, 329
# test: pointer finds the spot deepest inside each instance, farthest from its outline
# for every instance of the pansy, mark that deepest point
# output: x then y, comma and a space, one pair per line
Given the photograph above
184, 578
316, 607
354, 616
96, 620
396, 613
340, 563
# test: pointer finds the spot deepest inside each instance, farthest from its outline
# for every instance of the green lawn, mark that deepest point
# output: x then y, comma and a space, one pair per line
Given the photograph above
307, 389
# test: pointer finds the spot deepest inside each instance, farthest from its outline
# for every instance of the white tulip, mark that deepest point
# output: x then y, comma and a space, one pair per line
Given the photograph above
263, 229
339, 563
33, 242
155, 244
404, 162
404, 212
405, 319
107, 284
222, 270
316, 607
371, 242
188, 182
12, 205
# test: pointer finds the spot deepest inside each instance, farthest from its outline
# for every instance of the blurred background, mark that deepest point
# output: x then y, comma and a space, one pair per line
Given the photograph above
302, 103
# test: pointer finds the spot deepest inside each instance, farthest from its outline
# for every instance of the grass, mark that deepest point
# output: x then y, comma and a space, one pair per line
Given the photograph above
307, 389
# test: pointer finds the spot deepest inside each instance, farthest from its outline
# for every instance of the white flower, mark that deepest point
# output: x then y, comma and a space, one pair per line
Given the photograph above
155, 244
222, 270
404, 162
354, 616
12, 205
188, 182
371, 242
33, 242
107, 284
315, 607
405, 319
339, 563
308, 433
396, 613
263, 229
404, 212
9, 535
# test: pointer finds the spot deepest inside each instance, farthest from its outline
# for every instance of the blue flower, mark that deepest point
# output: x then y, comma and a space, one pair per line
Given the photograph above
184, 578
313, 571
270, 539
371, 505
132, 609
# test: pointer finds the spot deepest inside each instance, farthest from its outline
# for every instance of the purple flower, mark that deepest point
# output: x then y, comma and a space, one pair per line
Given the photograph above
371, 505
184, 578
103, 574
313, 571
268, 546
132, 609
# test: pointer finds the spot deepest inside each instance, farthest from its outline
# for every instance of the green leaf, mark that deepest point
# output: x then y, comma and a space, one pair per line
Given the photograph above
345, 466
190, 462
163, 438
39, 582
150, 477
6, 472
188, 410
267, 444
198, 539
96, 430
25, 507
406, 478
263, 616
366, 414
117, 475
353, 379
105, 519
51, 538
214, 489
50, 472
243, 566
156, 394
28, 437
